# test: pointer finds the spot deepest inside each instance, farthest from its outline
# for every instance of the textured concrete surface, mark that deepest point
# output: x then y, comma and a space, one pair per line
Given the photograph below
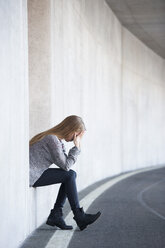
39, 62
14, 124
143, 94
145, 19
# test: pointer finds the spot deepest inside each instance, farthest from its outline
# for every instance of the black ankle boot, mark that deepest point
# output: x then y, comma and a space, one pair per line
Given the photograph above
55, 219
82, 219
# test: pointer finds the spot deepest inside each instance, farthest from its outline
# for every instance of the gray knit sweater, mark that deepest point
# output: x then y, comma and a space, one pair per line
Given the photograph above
47, 151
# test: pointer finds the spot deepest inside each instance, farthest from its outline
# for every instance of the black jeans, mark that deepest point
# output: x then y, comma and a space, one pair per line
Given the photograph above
68, 186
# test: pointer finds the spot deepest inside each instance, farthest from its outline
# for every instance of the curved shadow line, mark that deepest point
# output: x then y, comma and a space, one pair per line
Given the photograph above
140, 199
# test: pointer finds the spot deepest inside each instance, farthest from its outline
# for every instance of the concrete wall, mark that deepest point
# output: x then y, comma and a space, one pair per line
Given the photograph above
41, 199
39, 28
87, 82
14, 124
110, 78
83, 62
143, 104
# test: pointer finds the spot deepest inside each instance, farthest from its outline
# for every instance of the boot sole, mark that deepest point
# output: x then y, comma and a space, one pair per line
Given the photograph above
63, 228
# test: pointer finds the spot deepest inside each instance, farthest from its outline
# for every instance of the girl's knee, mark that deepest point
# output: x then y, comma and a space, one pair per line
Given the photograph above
72, 173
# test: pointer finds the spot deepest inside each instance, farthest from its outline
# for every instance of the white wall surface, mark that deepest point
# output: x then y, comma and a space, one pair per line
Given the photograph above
143, 104
14, 124
81, 61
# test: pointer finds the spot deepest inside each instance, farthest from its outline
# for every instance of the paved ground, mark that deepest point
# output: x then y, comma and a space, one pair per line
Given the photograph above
133, 216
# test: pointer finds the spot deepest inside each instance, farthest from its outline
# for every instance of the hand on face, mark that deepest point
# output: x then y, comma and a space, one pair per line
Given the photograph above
79, 135
77, 138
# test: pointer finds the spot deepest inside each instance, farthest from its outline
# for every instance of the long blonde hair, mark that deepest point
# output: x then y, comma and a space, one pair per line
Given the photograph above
70, 124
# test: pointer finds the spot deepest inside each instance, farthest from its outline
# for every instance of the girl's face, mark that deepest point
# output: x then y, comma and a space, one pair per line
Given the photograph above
70, 137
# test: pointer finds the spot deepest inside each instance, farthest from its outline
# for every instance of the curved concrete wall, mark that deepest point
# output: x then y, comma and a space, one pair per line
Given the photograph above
143, 104
83, 62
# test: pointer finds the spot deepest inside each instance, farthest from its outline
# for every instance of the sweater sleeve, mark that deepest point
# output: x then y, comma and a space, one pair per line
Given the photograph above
58, 153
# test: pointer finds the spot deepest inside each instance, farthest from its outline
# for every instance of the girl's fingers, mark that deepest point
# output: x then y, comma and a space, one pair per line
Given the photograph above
80, 134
